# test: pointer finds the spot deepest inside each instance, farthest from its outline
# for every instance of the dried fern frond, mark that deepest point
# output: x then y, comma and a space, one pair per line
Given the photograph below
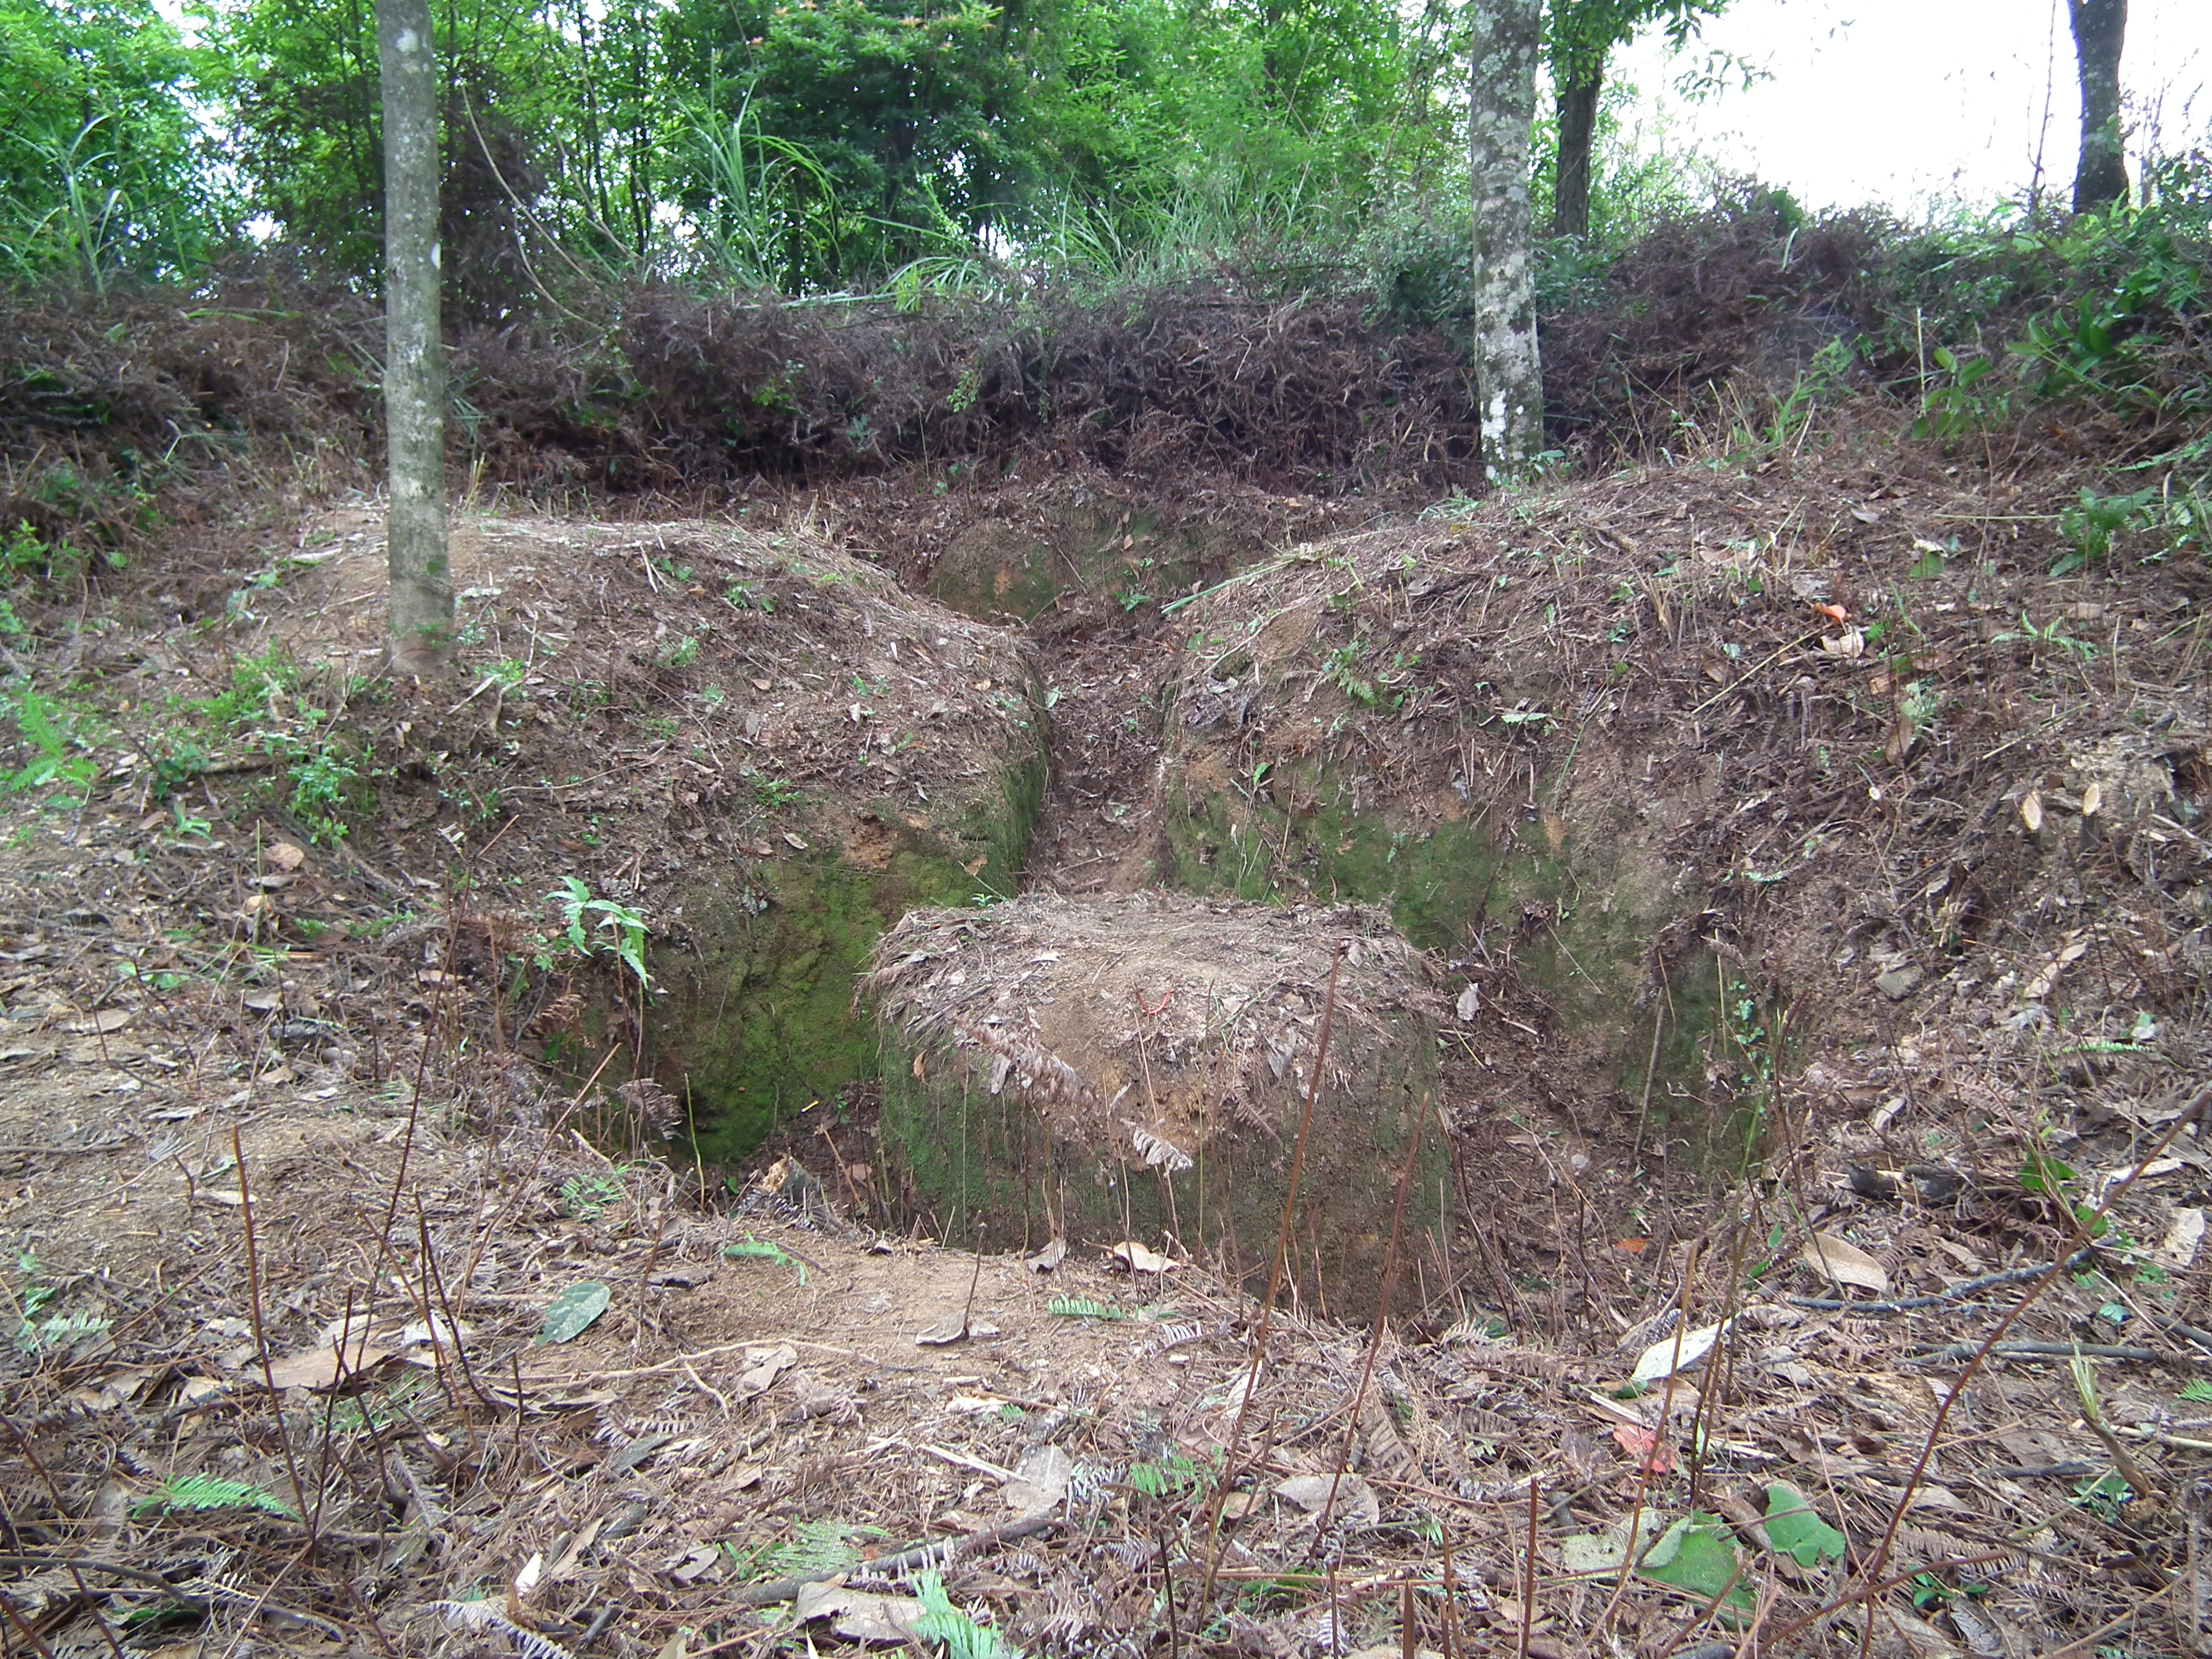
486, 1615
1160, 1153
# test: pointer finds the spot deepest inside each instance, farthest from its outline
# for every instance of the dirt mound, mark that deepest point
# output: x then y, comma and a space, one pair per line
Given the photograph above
1646, 755
681, 751
1140, 1068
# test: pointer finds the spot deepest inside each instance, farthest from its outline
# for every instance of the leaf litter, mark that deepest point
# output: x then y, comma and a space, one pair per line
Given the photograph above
648, 1465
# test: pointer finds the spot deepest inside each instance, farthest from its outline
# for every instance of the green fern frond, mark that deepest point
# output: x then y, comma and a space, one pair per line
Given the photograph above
821, 1550
963, 1637
1081, 1307
196, 1493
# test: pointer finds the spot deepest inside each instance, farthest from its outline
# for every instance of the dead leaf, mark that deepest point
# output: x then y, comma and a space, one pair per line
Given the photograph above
1644, 1448
1139, 1259
858, 1616
1849, 644
763, 1366
564, 1564
2183, 1235
1845, 1263
943, 1333
284, 855
1050, 1257
323, 1367
1040, 1481
1674, 1354
794, 841
1347, 1498
107, 1020
695, 1563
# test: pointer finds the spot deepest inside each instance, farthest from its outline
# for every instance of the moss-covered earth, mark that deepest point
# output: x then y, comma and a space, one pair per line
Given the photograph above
887, 754
757, 1018
1333, 739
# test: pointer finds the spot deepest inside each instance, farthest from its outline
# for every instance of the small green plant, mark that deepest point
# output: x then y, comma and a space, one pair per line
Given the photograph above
773, 791
680, 653
2051, 635
749, 1248
626, 926
1171, 1473
196, 1494
2104, 1497
963, 1637
323, 781
59, 761
1078, 1307
1341, 669
818, 1550
585, 1197
2091, 522
60, 1332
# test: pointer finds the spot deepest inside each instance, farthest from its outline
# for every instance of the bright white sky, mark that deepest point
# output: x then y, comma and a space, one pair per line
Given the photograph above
1900, 102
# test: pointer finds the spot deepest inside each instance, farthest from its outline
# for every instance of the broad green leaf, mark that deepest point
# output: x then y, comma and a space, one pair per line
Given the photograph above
570, 1313
1793, 1528
1697, 1554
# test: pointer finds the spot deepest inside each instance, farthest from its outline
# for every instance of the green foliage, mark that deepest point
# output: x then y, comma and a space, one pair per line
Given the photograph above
626, 926
1079, 1307
1170, 1473
940, 1621
749, 1248
2012, 315
587, 1197
59, 759
818, 1550
574, 1311
1795, 1528
197, 1494
101, 168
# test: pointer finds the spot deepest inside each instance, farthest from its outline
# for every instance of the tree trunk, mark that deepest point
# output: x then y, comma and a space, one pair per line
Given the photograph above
1502, 110
1578, 127
421, 616
2100, 180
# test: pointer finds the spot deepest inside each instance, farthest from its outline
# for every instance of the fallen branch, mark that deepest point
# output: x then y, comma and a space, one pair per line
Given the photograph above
1938, 1298
2035, 1351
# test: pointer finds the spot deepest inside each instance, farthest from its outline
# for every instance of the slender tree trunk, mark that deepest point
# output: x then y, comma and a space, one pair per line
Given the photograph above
422, 620
1502, 110
2101, 178
1577, 129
